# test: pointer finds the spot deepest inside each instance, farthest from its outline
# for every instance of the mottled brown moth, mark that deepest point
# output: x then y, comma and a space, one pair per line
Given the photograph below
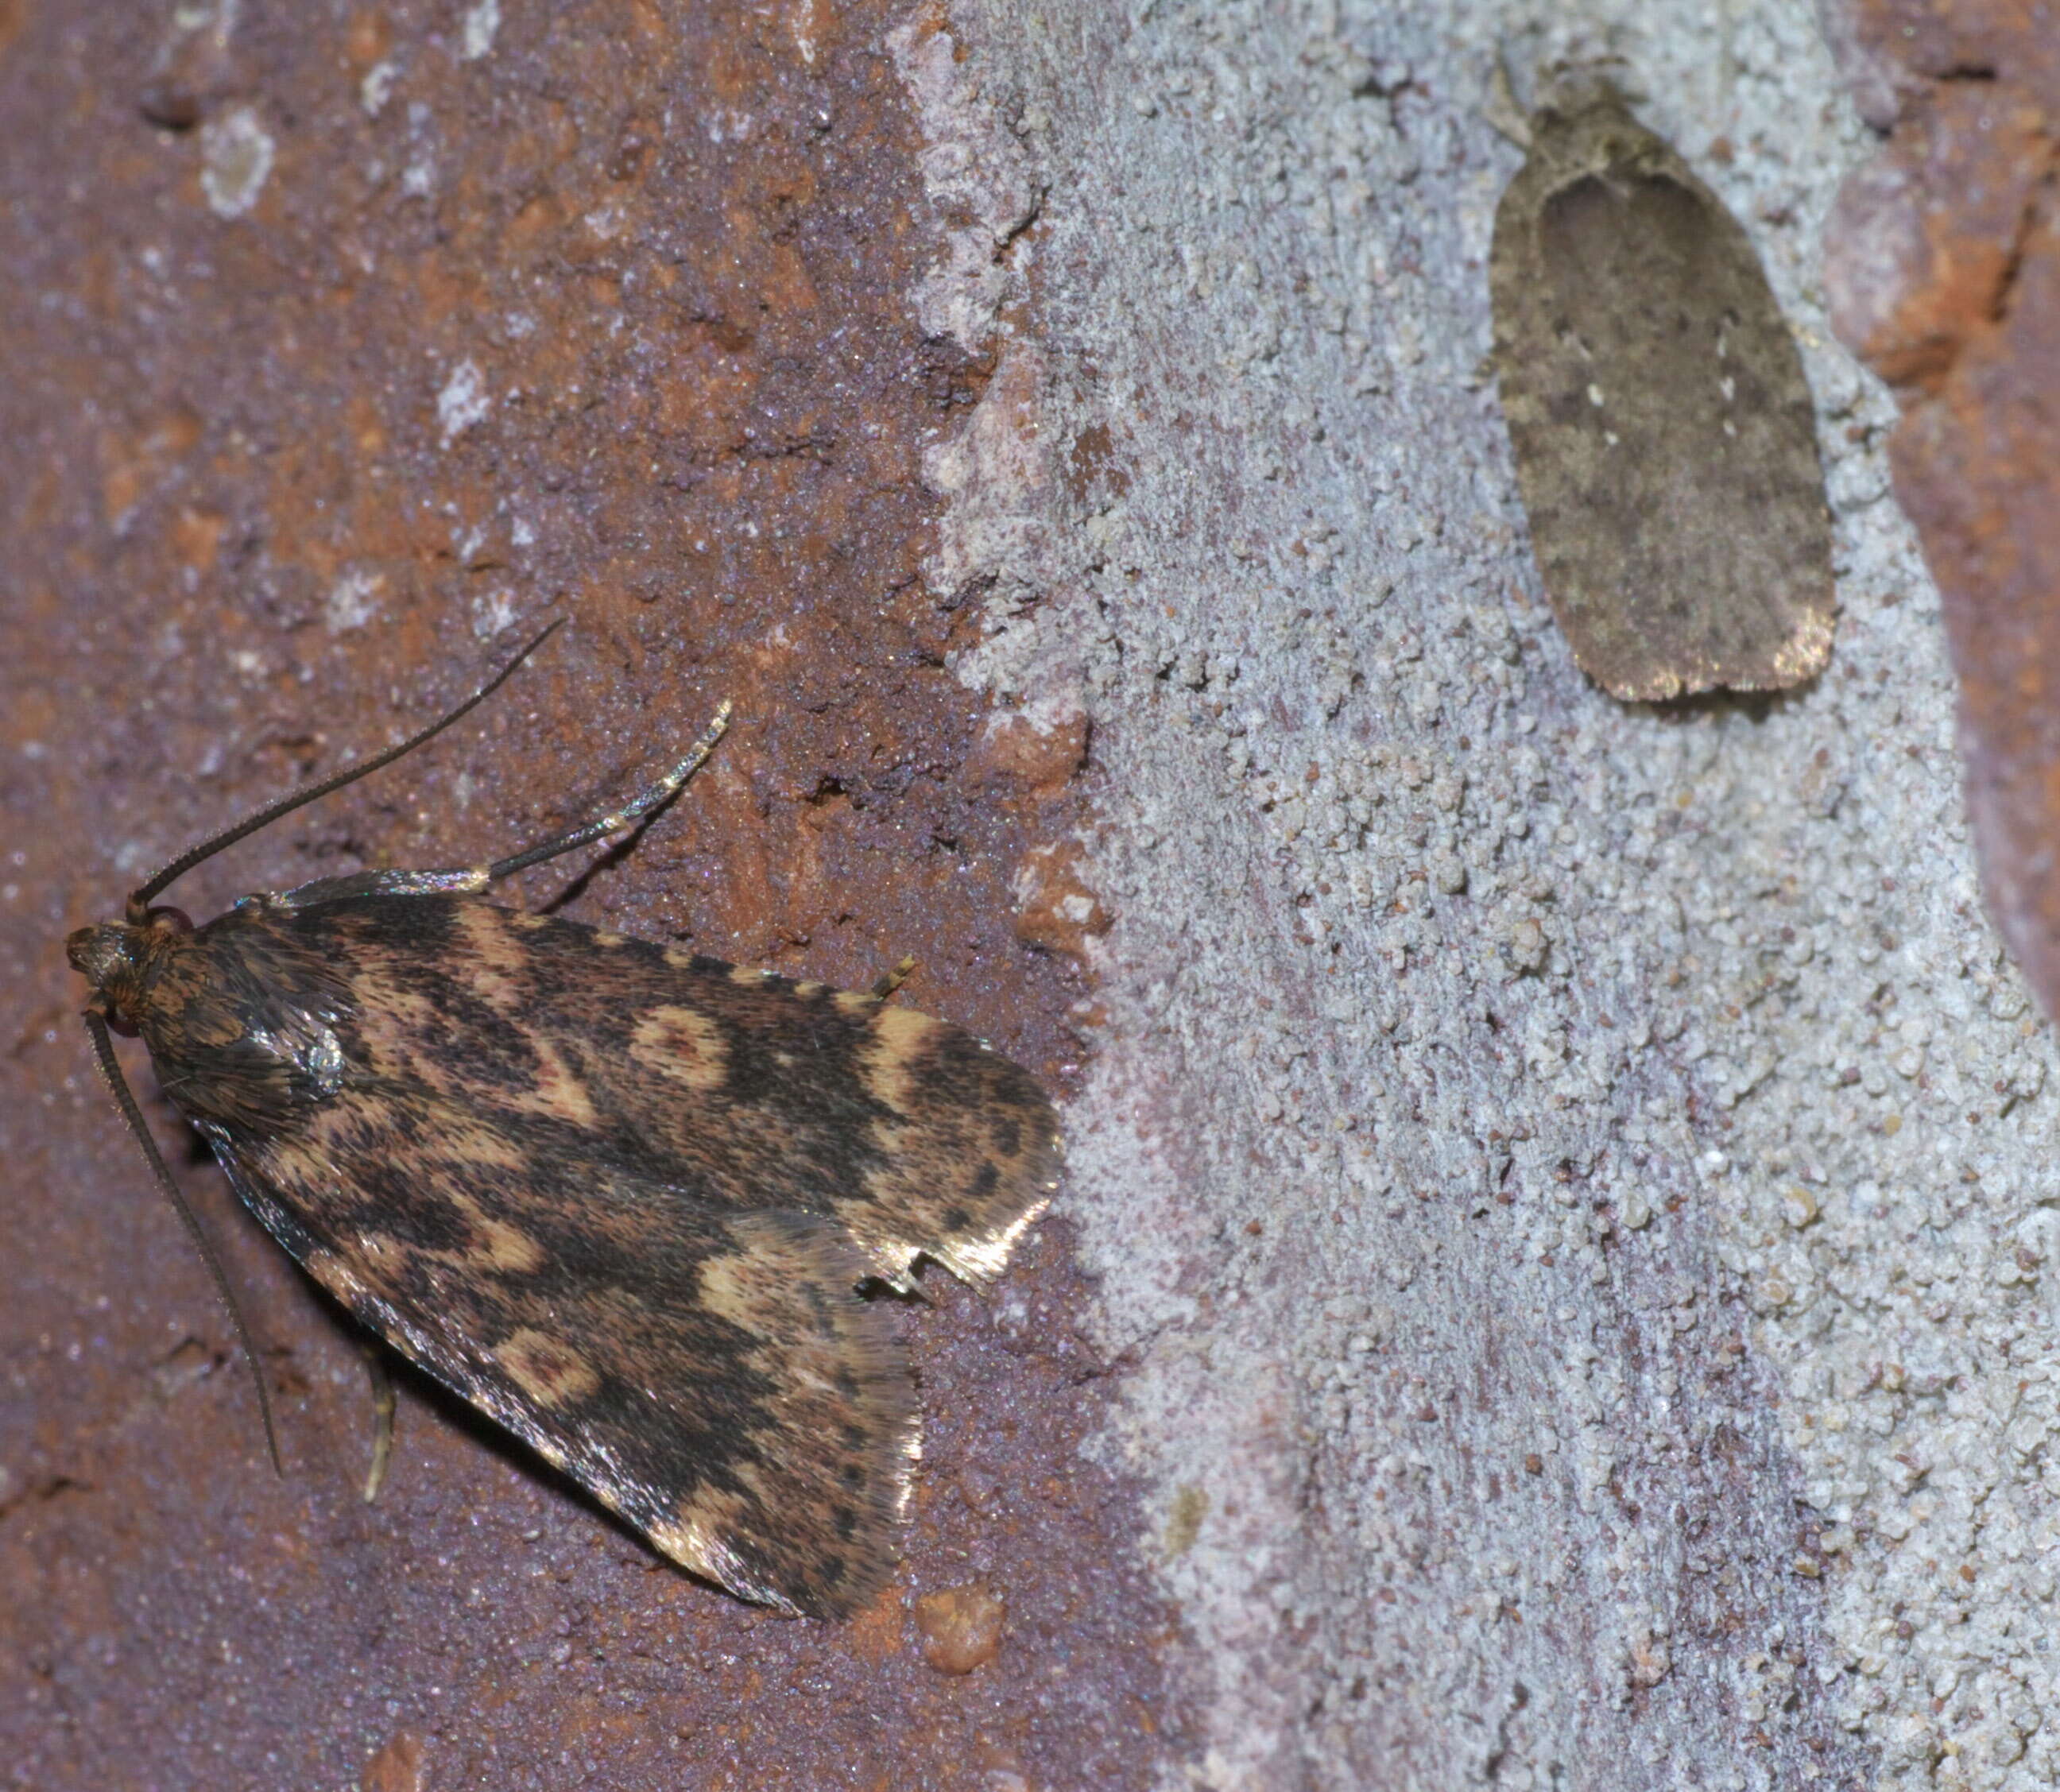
624, 1198
1665, 442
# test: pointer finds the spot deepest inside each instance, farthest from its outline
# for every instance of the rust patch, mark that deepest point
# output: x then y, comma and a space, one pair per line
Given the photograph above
400, 1766
1032, 757
1055, 909
1928, 234
612, 320
1943, 269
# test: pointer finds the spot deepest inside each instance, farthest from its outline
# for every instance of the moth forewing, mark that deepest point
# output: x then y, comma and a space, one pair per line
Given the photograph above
1664, 437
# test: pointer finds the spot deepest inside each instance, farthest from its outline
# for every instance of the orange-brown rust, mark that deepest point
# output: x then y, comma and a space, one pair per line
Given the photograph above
1941, 211
1943, 267
704, 442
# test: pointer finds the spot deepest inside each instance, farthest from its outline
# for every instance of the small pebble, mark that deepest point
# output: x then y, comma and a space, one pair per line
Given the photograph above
960, 1627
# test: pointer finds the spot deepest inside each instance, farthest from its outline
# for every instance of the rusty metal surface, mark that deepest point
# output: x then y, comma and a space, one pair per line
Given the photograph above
1943, 271
340, 345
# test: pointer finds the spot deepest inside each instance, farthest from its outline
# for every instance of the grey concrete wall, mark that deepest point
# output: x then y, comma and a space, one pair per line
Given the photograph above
1568, 1179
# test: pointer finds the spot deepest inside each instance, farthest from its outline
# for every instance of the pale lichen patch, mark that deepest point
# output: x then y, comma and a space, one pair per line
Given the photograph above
237, 154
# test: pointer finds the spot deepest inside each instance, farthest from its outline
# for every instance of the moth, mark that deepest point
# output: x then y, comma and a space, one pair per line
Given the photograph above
1665, 442
624, 1198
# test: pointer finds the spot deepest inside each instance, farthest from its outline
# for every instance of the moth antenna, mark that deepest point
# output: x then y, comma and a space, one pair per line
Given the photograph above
139, 902
653, 797
110, 1069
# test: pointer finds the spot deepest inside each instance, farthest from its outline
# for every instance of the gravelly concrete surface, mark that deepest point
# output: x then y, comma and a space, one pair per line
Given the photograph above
1568, 1176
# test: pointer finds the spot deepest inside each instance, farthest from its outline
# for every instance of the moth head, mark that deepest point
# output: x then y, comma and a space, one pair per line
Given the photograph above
114, 957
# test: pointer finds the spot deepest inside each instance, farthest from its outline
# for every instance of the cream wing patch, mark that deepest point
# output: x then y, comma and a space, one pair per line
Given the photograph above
546, 1369
679, 1043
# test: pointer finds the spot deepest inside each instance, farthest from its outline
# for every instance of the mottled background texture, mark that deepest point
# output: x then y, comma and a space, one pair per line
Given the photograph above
1555, 1285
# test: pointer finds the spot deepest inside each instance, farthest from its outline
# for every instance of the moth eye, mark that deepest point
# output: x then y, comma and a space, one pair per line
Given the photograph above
170, 920
118, 1022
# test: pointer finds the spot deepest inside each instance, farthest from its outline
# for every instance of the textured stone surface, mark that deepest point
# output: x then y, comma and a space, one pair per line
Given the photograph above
1549, 1162
1565, 1183
1926, 236
1944, 266
1891, 50
341, 346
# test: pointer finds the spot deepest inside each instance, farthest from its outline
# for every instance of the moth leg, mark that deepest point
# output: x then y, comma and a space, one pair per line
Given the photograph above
468, 881
639, 806
132, 1117
891, 980
381, 1380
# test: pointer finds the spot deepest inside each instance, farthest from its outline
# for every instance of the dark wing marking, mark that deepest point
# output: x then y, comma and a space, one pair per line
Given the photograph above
742, 1089
711, 1375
